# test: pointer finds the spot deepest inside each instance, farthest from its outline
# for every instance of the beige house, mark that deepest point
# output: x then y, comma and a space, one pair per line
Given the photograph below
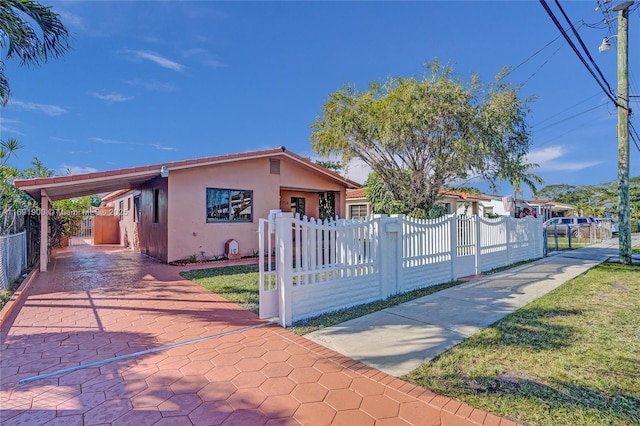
194, 207
460, 203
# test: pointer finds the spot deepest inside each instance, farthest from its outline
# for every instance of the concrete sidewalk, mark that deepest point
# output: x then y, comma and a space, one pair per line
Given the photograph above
399, 339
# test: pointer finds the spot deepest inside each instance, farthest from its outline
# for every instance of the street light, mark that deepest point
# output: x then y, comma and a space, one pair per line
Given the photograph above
605, 45
624, 209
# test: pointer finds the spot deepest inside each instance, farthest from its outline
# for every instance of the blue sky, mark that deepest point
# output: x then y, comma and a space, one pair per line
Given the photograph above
149, 82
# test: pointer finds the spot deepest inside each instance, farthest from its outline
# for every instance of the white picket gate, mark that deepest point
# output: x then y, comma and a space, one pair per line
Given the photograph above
309, 267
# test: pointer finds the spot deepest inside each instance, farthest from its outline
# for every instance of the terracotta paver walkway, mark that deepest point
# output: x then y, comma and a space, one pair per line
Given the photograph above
97, 305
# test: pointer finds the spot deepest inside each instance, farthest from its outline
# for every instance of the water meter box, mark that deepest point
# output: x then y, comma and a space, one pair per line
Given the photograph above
231, 249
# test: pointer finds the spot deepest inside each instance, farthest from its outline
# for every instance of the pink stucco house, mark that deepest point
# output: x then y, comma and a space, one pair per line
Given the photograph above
176, 210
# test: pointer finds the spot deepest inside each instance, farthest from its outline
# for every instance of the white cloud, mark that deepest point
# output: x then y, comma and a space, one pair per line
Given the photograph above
108, 141
52, 110
540, 156
4, 128
205, 57
156, 86
70, 19
112, 97
568, 166
548, 159
157, 59
163, 147
356, 170
61, 139
76, 170
117, 142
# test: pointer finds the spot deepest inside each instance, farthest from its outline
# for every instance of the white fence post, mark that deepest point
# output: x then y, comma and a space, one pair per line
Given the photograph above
284, 245
508, 236
453, 238
391, 257
476, 224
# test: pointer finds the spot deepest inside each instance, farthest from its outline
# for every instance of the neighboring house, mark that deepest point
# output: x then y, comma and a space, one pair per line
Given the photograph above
460, 203
357, 204
545, 209
175, 210
550, 208
465, 204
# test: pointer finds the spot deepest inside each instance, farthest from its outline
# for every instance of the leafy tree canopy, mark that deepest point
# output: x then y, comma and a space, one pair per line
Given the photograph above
463, 188
594, 200
336, 166
420, 134
31, 33
13, 200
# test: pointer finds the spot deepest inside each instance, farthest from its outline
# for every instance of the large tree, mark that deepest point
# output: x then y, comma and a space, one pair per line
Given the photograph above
421, 134
31, 33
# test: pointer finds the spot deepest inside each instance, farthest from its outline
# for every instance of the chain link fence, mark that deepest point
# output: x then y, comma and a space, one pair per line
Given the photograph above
13, 257
570, 237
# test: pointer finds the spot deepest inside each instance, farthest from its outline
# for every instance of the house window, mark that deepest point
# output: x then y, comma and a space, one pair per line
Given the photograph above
357, 211
136, 208
128, 205
156, 206
229, 205
120, 210
297, 205
447, 207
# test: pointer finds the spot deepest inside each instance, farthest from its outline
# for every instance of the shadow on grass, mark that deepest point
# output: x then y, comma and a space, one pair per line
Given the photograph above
561, 397
528, 328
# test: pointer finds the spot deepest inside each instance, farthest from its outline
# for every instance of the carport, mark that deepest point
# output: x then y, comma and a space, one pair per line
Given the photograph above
47, 190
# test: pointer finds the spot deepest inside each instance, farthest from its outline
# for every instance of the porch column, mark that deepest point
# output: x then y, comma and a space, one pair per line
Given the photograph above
45, 205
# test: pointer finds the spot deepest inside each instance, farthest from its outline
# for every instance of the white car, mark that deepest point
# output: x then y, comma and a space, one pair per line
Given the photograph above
563, 225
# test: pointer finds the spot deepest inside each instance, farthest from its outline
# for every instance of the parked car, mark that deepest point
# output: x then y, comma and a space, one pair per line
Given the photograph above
562, 225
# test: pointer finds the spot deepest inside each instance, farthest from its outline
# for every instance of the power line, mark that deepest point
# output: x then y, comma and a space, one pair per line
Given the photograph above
572, 117
543, 64
577, 52
634, 135
575, 32
567, 109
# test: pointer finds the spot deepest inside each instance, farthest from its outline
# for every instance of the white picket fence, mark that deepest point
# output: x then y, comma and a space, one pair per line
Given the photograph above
13, 257
312, 267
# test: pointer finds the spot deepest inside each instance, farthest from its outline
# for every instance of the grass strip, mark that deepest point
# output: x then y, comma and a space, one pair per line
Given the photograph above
568, 358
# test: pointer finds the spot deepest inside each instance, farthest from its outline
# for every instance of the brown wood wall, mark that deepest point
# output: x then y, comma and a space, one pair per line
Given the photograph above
154, 236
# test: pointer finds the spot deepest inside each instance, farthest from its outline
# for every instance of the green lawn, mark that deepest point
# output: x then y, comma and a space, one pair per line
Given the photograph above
239, 284
571, 357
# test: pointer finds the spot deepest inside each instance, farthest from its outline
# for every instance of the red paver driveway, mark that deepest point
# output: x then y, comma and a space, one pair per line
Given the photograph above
97, 305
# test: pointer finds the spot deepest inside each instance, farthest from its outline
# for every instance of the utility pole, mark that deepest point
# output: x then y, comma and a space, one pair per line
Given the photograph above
624, 209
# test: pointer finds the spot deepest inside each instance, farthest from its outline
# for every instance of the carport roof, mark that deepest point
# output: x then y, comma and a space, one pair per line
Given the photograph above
63, 187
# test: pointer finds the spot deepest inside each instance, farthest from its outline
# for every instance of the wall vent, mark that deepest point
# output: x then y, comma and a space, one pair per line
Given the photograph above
274, 166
